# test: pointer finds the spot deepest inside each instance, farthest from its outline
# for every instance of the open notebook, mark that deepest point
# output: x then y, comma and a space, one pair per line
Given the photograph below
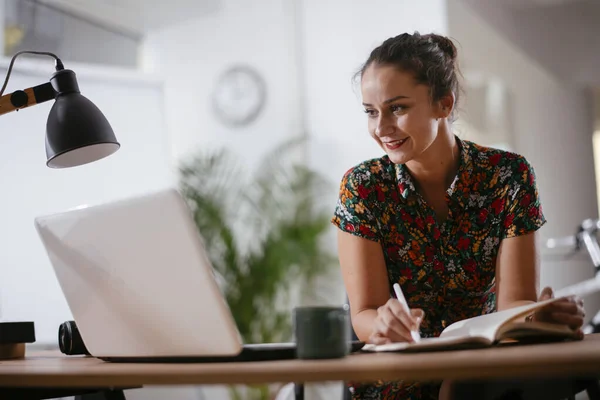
502, 326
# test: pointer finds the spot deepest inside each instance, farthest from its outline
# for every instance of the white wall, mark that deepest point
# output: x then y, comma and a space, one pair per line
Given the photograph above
87, 43
553, 125
561, 38
70, 37
485, 113
191, 56
571, 35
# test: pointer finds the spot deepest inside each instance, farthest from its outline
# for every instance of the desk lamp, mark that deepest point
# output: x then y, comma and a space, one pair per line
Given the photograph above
77, 133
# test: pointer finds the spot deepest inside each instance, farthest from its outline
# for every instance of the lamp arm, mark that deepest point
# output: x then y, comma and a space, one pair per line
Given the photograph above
31, 96
26, 98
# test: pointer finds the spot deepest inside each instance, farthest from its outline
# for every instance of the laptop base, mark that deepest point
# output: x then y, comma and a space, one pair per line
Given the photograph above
249, 353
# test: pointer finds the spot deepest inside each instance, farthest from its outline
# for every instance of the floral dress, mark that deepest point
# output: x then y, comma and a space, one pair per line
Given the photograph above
447, 269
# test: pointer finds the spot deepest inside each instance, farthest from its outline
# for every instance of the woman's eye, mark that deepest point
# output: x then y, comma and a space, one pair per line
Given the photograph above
396, 108
370, 113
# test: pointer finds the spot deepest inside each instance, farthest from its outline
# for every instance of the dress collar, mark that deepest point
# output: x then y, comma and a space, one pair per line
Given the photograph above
459, 189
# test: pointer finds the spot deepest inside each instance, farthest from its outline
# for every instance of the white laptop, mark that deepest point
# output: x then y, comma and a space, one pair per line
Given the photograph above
139, 284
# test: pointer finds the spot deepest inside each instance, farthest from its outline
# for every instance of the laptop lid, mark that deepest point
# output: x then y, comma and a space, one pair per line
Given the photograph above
137, 279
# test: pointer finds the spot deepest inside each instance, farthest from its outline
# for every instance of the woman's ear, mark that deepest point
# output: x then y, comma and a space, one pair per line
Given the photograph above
446, 105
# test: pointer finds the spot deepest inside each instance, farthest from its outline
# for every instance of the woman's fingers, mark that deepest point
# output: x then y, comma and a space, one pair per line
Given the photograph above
409, 321
566, 307
418, 314
377, 339
546, 294
388, 325
568, 311
394, 324
572, 320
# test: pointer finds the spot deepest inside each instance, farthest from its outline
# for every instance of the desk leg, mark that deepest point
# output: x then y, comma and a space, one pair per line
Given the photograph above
299, 391
103, 395
593, 390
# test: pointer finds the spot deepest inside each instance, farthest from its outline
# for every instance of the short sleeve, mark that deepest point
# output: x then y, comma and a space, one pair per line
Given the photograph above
355, 212
523, 207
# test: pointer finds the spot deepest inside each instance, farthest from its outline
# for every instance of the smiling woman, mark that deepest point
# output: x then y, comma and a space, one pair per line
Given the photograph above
452, 222
429, 94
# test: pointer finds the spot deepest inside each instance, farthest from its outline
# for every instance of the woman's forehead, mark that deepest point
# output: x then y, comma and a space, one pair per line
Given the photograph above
380, 83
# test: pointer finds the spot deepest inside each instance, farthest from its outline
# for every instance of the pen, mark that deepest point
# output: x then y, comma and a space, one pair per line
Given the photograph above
400, 296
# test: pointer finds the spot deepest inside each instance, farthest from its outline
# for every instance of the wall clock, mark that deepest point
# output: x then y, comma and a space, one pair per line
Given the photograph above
239, 96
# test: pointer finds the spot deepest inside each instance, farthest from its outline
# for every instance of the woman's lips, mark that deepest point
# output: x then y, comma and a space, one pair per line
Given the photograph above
395, 144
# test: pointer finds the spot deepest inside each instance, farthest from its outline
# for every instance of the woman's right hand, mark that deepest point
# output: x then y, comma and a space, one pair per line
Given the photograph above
393, 324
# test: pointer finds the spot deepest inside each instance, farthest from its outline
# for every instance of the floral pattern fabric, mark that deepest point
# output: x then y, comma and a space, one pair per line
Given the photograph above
448, 268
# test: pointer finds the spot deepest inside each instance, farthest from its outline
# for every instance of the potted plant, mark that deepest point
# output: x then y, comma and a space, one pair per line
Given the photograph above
264, 233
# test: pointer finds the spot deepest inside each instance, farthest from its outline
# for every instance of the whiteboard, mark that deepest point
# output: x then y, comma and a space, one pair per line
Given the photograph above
133, 105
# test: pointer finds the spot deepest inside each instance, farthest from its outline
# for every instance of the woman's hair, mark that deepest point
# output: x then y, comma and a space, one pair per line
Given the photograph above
430, 58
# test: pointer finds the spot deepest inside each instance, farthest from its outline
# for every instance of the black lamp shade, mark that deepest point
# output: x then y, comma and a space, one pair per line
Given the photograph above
77, 132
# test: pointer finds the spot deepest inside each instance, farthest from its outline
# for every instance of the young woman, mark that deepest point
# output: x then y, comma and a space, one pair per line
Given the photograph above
453, 222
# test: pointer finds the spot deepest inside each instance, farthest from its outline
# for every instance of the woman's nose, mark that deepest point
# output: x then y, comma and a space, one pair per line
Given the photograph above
384, 127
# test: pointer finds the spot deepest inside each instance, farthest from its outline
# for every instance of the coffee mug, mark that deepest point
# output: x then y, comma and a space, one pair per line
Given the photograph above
322, 332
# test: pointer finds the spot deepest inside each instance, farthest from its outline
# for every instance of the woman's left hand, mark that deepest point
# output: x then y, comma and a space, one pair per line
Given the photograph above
567, 311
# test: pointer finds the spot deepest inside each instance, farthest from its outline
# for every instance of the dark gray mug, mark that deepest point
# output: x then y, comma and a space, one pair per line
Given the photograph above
322, 332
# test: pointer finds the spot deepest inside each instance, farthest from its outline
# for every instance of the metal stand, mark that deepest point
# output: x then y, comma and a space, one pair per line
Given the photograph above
586, 236
593, 390
299, 391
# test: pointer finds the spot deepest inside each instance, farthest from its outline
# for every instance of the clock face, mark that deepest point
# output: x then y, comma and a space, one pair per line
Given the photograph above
239, 96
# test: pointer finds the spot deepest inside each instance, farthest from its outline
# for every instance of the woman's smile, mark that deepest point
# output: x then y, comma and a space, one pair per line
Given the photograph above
394, 144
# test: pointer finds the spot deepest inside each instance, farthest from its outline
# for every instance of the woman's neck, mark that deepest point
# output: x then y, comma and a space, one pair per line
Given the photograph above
437, 166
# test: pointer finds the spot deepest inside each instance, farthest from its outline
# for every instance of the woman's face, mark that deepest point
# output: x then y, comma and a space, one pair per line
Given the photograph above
401, 118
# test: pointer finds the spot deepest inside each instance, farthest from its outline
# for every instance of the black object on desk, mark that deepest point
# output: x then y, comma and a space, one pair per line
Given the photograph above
17, 332
70, 341
13, 336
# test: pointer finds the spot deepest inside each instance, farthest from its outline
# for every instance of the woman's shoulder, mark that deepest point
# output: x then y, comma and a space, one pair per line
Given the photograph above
505, 160
370, 172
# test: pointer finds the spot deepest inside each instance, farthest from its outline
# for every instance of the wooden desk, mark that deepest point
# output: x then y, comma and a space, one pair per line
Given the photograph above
54, 370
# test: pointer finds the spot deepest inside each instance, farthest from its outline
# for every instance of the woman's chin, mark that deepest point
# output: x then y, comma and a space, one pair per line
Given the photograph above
398, 157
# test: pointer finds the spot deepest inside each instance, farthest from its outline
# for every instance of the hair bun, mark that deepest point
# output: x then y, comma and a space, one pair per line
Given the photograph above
446, 45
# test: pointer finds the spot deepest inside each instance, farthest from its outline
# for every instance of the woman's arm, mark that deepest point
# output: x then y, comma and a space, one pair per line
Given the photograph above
365, 278
517, 277
376, 317
517, 271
